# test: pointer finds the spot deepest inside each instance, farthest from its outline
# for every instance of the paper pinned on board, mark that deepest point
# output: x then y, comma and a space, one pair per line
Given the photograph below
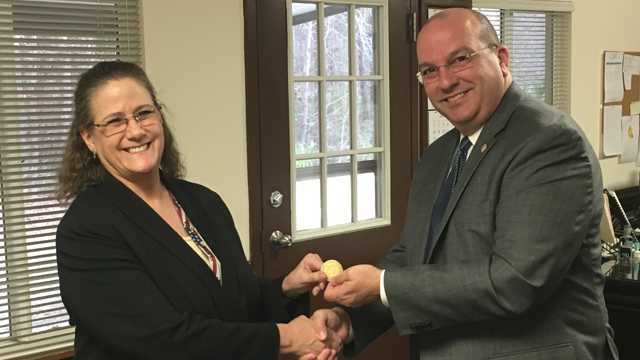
634, 108
631, 64
612, 126
630, 125
627, 80
613, 83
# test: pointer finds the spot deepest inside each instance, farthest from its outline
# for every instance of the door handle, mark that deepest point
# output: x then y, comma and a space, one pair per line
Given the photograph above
279, 240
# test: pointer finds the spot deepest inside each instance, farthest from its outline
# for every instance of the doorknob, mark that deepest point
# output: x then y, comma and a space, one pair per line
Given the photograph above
279, 240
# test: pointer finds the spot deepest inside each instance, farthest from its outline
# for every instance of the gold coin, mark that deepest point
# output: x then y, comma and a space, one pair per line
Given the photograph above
331, 268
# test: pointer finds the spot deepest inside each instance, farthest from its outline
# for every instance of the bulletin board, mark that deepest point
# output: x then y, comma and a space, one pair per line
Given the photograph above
629, 95
616, 113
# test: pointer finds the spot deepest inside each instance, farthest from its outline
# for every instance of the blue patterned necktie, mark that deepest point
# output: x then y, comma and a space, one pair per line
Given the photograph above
445, 193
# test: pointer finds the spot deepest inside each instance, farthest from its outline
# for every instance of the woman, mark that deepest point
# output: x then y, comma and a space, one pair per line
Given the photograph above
151, 266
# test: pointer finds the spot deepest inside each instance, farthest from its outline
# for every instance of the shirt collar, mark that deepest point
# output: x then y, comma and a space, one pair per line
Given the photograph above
473, 137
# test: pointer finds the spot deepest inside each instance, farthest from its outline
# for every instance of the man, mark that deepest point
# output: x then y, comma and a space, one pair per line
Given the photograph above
500, 255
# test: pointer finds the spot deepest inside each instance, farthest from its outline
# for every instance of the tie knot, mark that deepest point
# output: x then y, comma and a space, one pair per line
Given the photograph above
465, 144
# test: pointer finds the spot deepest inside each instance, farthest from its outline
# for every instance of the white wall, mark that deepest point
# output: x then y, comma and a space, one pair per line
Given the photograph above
194, 55
599, 26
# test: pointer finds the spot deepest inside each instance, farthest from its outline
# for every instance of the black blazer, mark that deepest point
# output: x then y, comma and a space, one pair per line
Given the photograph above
135, 290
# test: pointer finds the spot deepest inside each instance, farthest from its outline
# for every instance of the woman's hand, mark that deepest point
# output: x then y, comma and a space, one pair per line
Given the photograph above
306, 276
299, 337
334, 320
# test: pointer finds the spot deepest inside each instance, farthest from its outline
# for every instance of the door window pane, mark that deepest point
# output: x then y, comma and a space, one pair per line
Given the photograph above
369, 189
336, 40
338, 190
305, 39
367, 114
338, 127
307, 127
365, 18
308, 195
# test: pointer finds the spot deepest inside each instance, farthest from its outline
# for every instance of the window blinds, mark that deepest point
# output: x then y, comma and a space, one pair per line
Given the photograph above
44, 46
539, 44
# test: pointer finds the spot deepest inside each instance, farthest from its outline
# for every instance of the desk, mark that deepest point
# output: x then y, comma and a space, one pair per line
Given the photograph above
622, 296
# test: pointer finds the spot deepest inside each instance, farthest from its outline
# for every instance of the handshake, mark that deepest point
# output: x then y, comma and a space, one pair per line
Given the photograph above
321, 336
317, 338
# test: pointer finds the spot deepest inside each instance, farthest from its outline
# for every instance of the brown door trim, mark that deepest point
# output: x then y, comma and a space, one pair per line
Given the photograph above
416, 89
252, 95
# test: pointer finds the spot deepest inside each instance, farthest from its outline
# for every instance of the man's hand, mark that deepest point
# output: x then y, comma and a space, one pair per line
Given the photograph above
306, 276
299, 338
356, 286
332, 327
334, 320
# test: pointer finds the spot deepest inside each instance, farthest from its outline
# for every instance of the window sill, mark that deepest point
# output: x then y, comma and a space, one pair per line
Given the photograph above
59, 354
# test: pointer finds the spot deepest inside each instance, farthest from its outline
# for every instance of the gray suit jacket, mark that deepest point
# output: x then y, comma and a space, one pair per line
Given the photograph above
516, 270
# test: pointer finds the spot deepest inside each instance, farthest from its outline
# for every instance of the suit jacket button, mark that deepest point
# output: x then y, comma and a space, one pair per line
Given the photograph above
428, 326
415, 327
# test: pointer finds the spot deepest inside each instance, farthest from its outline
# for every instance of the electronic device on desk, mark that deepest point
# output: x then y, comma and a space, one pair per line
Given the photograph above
618, 216
615, 224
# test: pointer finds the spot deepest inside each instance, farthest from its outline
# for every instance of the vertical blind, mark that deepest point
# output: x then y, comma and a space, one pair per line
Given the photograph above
539, 43
44, 46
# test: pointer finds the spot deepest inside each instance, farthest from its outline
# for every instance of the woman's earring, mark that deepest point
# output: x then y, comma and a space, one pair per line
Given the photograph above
94, 153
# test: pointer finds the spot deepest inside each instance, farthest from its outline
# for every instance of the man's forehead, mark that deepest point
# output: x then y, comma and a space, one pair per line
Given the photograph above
446, 39
438, 55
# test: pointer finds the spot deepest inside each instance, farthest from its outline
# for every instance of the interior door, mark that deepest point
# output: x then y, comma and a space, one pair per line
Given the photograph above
352, 167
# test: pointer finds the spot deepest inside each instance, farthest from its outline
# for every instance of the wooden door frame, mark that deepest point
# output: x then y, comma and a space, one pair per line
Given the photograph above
252, 96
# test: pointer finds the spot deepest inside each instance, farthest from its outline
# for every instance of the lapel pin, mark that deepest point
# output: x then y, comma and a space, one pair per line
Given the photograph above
484, 147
